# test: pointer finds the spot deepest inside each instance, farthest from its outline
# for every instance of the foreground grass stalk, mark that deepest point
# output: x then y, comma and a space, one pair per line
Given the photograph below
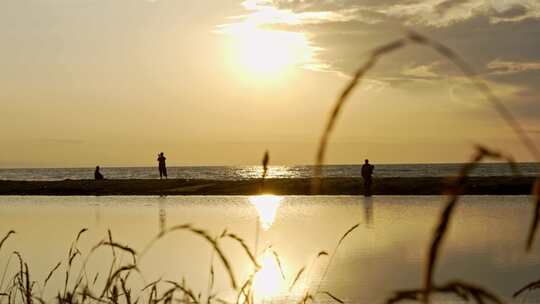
333, 255
446, 52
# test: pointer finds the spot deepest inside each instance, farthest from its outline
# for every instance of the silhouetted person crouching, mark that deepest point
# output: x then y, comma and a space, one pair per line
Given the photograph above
97, 174
367, 172
162, 167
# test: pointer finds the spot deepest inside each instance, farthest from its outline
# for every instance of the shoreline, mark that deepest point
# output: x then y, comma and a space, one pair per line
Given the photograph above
504, 185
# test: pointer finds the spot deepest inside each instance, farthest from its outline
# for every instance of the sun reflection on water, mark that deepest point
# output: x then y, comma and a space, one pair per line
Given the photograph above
273, 172
266, 206
268, 282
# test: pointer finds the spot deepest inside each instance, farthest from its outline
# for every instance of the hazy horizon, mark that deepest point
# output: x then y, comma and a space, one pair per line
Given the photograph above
258, 165
113, 83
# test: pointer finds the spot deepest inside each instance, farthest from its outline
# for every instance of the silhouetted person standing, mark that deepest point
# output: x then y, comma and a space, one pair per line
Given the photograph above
162, 167
97, 174
367, 172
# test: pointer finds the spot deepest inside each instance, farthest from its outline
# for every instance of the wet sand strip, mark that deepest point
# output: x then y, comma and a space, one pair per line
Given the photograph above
329, 186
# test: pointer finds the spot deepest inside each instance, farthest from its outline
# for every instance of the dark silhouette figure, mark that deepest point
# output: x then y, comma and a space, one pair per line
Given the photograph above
162, 167
367, 172
97, 174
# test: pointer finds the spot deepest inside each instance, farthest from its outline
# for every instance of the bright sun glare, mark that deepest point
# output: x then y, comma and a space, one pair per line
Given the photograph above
269, 52
264, 52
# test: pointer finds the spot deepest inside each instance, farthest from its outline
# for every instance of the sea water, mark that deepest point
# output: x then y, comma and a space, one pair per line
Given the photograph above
248, 172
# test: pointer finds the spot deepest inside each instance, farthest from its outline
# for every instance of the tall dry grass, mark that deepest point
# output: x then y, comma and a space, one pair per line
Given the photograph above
79, 284
458, 288
78, 288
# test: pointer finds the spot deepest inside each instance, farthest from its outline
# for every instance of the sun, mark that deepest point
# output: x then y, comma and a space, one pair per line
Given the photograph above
264, 43
265, 53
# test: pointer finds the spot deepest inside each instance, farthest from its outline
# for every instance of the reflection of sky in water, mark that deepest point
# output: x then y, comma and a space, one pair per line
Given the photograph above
485, 246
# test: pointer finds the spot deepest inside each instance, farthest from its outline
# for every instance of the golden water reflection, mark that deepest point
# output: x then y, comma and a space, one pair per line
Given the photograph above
266, 206
361, 273
268, 281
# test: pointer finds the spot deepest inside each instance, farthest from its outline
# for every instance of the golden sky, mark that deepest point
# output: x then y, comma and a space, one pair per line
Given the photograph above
86, 82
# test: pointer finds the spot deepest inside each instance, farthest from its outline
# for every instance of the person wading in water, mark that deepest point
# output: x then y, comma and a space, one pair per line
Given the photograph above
162, 167
367, 172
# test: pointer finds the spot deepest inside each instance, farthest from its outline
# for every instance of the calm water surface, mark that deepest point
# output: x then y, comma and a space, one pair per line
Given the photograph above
385, 253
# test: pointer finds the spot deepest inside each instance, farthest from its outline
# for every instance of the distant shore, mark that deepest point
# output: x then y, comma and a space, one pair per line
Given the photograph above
279, 186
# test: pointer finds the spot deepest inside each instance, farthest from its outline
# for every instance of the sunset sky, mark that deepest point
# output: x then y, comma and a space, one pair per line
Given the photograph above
114, 82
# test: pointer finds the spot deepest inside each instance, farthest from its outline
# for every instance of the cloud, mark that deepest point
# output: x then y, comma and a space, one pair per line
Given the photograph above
351, 27
421, 71
501, 67
447, 5
412, 12
515, 13
498, 38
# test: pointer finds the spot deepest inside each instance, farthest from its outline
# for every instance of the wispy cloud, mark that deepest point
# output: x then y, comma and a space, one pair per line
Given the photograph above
421, 71
438, 13
501, 67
